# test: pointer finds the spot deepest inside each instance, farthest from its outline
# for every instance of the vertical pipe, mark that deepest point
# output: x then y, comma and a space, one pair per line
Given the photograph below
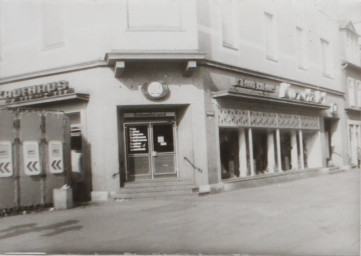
250, 148
278, 143
43, 161
16, 158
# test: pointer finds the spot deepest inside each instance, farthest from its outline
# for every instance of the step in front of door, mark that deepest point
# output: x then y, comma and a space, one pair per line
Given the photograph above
155, 189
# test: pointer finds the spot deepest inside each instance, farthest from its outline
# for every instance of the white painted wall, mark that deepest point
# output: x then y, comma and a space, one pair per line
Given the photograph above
249, 49
88, 29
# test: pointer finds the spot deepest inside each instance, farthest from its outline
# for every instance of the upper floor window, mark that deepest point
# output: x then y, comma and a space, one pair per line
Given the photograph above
358, 93
227, 24
351, 41
351, 91
52, 24
270, 36
326, 57
301, 47
160, 15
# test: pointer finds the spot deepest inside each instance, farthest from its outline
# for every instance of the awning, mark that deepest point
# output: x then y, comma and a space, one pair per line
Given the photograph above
267, 99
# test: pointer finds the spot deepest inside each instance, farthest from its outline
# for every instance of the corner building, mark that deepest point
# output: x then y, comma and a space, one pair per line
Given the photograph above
186, 99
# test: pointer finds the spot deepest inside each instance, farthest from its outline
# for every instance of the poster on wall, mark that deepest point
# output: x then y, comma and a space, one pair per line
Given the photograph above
138, 139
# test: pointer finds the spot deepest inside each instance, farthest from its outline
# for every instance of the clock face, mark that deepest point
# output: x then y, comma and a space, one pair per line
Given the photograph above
155, 90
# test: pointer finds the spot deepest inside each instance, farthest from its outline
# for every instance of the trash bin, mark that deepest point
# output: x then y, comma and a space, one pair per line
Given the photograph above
63, 198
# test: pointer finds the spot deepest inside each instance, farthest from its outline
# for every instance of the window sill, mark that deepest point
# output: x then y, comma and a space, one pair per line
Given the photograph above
229, 46
302, 68
327, 76
271, 58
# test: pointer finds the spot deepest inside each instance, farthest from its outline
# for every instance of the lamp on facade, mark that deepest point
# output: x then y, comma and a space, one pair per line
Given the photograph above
334, 108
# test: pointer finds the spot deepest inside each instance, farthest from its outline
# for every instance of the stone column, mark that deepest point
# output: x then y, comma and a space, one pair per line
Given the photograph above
250, 148
278, 143
242, 151
271, 152
294, 154
300, 141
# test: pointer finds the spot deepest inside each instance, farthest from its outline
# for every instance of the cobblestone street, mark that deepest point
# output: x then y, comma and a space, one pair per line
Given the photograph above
314, 216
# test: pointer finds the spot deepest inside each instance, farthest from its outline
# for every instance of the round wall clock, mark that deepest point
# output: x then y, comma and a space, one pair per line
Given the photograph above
155, 90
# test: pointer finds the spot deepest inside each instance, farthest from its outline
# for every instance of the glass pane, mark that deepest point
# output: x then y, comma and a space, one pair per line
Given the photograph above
164, 164
137, 139
163, 138
138, 165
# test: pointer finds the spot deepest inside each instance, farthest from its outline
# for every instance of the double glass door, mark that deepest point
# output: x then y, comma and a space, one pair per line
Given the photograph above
150, 150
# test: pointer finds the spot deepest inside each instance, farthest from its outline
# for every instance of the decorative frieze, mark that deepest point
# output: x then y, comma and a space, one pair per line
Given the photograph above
263, 119
310, 122
233, 117
230, 117
288, 121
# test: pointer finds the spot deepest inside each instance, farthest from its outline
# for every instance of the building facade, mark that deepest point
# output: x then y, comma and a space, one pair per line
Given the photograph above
211, 92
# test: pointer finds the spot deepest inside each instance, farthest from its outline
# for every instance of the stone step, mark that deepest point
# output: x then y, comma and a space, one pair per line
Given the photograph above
160, 188
158, 183
335, 169
162, 194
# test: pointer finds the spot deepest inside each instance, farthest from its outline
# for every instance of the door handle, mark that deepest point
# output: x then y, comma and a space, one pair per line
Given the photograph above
154, 153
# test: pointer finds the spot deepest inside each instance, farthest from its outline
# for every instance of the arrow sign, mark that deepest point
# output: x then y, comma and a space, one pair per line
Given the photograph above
6, 165
56, 156
31, 158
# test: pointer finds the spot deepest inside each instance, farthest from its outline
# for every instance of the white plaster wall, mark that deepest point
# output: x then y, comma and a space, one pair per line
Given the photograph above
249, 51
100, 117
90, 29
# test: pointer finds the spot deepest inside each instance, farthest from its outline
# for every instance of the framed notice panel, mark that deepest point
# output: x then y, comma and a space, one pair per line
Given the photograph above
6, 163
31, 158
56, 162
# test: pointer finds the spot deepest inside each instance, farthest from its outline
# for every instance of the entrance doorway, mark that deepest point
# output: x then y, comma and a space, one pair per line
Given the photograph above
150, 150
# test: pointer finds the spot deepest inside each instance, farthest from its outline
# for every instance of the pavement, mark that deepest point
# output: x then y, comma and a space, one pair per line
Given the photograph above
313, 216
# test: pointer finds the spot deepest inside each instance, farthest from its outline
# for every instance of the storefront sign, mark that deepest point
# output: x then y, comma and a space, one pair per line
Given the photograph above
253, 85
149, 114
36, 92
155, 90
286, 91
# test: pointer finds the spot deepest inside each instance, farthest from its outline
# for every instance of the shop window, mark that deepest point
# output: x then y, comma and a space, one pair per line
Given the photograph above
76, 143
301, 47
229, 153
270, 36
52, 24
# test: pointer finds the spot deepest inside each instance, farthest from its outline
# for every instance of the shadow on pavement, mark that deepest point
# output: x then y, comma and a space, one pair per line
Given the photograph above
54, 229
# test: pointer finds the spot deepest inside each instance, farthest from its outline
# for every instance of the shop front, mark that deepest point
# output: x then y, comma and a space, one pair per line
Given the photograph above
267, 127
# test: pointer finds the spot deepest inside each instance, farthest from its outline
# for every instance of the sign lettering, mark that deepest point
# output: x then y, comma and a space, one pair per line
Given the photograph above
253, 85
36, 92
